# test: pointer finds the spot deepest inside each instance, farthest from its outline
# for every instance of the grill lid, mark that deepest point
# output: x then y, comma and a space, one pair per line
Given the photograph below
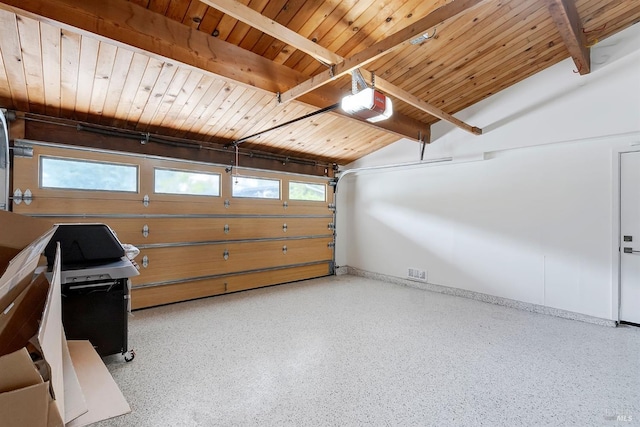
84, 245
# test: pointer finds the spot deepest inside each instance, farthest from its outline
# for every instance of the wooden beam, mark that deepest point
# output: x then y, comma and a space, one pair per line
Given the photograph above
418, 103
370, 54
565, 15
131, 26
261, 23
268, 26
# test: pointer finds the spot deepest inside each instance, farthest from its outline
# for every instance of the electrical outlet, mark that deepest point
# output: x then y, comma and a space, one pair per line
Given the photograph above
417, 274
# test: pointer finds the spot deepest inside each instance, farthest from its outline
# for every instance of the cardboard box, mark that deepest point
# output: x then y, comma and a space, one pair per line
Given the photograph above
22, 240
25, 399
40, 382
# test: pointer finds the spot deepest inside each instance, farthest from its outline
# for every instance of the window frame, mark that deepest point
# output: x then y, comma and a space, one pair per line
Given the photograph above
261, 178
42, 158
323, 185
219, 175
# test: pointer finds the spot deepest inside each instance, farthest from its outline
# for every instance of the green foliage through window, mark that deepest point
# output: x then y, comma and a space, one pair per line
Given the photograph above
87, 175
169, 181
258, 188
307, 191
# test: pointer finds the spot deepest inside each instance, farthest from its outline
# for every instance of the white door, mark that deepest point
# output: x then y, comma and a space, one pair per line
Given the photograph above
630, 237
4, 164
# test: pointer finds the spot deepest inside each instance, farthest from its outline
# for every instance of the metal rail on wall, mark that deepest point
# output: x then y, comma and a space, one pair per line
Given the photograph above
4, 162
146, 137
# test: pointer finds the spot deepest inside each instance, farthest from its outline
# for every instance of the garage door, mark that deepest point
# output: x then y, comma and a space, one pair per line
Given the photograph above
201, 229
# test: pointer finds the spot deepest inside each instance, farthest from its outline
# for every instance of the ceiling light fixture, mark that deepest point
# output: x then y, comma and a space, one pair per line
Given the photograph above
369, 104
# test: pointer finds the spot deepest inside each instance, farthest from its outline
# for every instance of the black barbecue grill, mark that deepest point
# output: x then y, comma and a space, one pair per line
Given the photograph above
94, 279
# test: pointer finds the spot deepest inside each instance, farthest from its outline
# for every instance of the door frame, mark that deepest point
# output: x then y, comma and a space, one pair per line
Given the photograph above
616, 244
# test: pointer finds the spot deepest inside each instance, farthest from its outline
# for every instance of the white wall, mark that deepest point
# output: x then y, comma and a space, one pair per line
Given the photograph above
533, 222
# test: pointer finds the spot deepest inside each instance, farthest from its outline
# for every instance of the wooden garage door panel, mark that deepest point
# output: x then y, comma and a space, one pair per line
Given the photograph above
252, 256
168, 264
107, 203
216, 205
155, 295
253, 280
171, 263
92, 202
239, 206
186, 238
77, 206
194, 206
127, 230
160, 230
175, 230
308, 208
180, 230
310, 226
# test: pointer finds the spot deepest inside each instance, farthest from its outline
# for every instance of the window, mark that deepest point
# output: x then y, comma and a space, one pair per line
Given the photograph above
169, 181
77, 174
307, 191
260, 188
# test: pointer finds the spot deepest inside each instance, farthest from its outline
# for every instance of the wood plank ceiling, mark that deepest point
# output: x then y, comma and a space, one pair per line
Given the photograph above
182, 68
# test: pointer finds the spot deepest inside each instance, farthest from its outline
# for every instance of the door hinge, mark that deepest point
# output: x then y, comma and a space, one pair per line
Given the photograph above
19, 196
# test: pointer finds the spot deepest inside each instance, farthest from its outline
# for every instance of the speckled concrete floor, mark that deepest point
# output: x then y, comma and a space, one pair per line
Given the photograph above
349, 351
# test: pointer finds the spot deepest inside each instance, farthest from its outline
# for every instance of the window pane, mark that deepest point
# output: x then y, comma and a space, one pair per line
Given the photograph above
307, 191
183, 182
87, 175
260, 188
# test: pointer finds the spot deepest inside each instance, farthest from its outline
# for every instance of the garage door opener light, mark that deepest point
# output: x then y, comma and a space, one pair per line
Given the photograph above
369, 103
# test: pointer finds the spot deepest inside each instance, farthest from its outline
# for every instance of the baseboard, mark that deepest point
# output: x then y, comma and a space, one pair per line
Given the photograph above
341, 271
491, 299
